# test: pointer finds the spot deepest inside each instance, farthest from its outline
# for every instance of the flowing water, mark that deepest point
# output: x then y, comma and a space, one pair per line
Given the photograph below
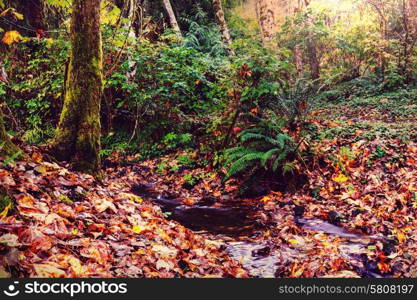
259, 258
252, 257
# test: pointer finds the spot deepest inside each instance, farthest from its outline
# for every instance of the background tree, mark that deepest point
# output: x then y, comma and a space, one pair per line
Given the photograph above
78, 134
266, 19
34, 15
172, 18
224, 29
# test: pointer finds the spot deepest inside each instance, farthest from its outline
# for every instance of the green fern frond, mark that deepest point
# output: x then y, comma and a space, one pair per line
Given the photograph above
267, 155
280, 157
238, 154
243, 163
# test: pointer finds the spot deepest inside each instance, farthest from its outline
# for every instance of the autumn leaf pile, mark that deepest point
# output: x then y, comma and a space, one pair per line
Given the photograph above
67, 224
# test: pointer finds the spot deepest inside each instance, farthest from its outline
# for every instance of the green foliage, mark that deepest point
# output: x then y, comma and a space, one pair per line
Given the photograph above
204, 36
5, 200
172, 88
173, 140
259, 147
36, 87
190, 179
185, 160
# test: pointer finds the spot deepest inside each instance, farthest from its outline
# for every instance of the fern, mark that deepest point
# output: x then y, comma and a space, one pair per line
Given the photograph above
243, 163
267, 156
258, 146
238, 154
278, 160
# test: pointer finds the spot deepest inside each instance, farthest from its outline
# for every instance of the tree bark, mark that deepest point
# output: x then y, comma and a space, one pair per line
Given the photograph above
412, 7
172, 18
34, 14
221, 21
77, 137
266, 19
298, 60
313, 59
7, 148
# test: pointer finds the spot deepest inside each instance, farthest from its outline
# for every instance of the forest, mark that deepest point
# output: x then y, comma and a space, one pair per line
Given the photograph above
208, 138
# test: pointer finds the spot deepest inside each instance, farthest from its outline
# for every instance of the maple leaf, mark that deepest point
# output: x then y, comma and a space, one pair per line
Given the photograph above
10, 240
383, 267
340, 178
11, 37
48, 270
266, 199
136, 229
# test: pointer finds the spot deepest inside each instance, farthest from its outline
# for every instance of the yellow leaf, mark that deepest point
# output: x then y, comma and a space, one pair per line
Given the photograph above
266, 199
136, 229
76, 266
48, 270
4, 213
13, 12
18, 16
132, 197
292, 241
145, 214
401, 237
340, 178
11, 37
332, 124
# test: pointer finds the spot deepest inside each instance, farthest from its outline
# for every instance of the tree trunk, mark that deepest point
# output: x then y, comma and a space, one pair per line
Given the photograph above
77, 137
413, 17
34, 13
7, 148
298, 60
221, 21
266, 19
313, 59
172, 18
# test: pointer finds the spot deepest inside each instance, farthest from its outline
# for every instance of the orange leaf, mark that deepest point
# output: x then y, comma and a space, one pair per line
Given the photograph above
383, 267
11, 37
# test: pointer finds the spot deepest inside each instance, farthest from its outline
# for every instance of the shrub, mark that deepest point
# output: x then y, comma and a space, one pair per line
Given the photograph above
259, 147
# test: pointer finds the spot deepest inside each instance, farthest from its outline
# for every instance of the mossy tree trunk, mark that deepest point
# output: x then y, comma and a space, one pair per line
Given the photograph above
7, 148
221, 21
77, 137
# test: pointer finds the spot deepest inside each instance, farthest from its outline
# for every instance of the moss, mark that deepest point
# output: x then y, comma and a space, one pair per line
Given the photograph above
7, 148
78, 134
64, 199
5, 199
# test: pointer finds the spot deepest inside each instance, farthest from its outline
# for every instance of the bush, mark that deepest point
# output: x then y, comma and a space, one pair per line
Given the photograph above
36, 86
173, 88
259, 147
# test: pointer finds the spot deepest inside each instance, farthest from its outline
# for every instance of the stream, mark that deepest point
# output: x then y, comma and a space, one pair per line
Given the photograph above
222, 224
253, 258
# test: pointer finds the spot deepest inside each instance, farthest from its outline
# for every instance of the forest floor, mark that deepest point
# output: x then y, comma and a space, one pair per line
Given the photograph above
355, 217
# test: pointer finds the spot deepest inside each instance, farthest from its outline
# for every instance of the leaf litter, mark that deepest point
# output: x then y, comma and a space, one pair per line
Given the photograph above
356, 217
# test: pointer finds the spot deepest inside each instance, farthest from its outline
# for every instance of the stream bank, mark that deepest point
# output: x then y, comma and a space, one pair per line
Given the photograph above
241, 237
